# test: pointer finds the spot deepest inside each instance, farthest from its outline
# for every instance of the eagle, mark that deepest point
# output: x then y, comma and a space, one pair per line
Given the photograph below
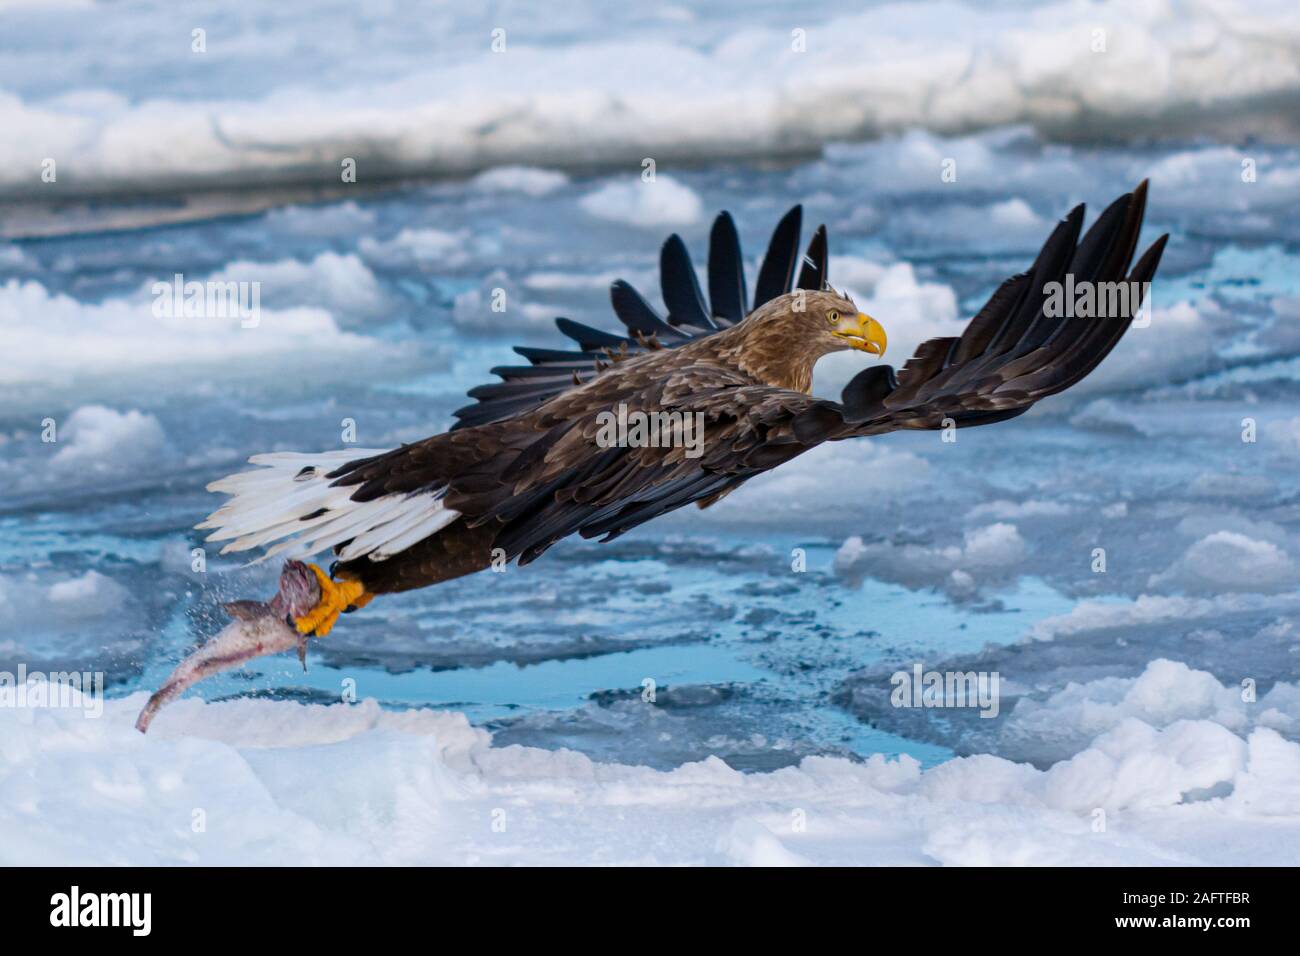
533, 460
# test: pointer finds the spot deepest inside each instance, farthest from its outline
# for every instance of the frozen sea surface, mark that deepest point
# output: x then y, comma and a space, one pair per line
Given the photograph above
980, 554
1126, 557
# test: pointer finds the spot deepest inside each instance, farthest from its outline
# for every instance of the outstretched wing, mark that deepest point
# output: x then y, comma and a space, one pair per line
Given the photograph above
1011, 355
690, 315
539, 478
1014, 352
717, 429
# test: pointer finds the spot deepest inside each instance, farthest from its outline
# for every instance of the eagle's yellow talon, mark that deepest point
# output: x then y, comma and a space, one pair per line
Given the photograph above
335, 598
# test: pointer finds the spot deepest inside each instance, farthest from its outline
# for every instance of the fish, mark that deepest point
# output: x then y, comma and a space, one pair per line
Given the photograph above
256, 628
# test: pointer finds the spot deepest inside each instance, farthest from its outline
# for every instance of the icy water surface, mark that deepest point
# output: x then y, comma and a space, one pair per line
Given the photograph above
976, 555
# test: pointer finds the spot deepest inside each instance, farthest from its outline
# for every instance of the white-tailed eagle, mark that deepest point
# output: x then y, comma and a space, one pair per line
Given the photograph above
526, 464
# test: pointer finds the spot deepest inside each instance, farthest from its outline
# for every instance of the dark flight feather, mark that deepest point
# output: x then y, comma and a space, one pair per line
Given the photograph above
680, 287
776, 273
727, 295
813, 273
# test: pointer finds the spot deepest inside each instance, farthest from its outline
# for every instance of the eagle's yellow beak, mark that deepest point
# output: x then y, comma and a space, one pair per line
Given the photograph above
863, 333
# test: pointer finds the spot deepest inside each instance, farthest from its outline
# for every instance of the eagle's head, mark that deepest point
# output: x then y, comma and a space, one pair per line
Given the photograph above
781, 340
832, 323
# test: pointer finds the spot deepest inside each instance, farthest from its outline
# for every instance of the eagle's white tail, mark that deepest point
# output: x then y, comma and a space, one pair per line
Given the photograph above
290, 501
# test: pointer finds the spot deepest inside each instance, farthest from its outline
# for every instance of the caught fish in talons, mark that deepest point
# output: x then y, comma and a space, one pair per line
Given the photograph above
257, 628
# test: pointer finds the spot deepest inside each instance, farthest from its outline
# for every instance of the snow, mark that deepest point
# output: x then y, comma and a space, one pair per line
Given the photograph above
1148, 609
608, 87
415, 247
86, 596
1165, 693
103, 440
528, 180
1004, 510
121, 335
984, 554
262, 782
335, 219
64, 606
996, 545
648, 204
342, 284
1230, 561
495, 301
12, 258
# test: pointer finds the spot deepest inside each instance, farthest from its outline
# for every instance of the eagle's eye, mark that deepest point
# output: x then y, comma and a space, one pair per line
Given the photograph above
832, 317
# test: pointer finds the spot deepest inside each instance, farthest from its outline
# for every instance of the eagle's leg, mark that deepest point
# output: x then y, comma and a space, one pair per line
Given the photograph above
335, 598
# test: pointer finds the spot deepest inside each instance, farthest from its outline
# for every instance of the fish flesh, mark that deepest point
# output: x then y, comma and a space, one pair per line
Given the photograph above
256, 628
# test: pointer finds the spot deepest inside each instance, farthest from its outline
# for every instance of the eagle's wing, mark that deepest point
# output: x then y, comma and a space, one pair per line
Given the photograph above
1012, 353
690, 315
724, 428
544, 476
